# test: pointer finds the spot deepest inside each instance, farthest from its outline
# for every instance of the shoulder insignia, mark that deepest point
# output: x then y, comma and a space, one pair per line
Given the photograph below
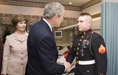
102, 49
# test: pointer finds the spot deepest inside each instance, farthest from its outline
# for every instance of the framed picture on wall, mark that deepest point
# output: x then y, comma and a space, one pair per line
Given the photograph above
58, 34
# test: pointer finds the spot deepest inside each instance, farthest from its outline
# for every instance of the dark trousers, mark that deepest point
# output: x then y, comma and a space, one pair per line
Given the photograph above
85, 69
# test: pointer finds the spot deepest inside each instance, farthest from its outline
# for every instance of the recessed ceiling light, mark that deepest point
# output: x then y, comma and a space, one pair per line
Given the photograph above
70, 3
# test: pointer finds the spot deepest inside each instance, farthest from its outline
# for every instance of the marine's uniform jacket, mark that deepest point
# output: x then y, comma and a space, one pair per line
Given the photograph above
90, 53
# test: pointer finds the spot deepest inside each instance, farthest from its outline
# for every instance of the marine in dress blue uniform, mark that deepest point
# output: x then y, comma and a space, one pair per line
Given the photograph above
90, 53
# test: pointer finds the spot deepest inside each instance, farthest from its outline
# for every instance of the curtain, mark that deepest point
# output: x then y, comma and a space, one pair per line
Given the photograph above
109, 31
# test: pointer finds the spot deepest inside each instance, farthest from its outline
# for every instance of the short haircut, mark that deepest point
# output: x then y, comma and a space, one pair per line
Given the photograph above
53, 8
84, 14
87, 14
18, 18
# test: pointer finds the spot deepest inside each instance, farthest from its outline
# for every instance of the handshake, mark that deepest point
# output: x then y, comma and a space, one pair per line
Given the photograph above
67, 67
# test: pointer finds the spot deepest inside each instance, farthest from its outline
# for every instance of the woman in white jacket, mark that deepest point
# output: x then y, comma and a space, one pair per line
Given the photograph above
15, 48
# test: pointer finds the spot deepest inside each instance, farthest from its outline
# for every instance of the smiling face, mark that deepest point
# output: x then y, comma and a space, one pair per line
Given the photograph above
84, 23
19, 22
21, 26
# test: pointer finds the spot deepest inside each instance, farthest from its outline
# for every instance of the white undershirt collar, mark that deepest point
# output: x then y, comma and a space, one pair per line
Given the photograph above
48, 24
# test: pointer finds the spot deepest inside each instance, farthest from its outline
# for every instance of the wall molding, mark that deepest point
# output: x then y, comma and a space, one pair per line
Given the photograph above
96, 15
41, 4
35, 4
90, 3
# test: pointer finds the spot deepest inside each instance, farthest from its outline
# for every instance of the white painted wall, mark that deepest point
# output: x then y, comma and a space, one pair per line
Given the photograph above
10, 9
69, 13
96, 24
95, 9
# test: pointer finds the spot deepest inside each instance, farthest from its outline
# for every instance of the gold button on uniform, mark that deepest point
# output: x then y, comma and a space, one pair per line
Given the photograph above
82, 36
80, 40
77, 53
78, 43
77, 62
77, 48
88, 71
76, 57
84, 46
84, 32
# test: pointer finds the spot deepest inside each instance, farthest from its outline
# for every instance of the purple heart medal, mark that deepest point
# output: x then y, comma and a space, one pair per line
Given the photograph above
82, 52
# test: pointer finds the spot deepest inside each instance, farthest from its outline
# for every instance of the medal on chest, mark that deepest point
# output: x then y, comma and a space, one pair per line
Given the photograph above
83, 43
82, 52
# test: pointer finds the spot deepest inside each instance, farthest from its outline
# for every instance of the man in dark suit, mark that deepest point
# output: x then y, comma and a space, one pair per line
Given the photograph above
42, 51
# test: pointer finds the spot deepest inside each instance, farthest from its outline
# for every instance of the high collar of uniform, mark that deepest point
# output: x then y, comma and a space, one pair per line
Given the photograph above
86, 32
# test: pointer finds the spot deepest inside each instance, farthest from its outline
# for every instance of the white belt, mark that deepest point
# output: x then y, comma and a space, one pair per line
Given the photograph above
88, 62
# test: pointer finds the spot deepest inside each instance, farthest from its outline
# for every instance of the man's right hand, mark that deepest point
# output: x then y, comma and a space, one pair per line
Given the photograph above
67, 66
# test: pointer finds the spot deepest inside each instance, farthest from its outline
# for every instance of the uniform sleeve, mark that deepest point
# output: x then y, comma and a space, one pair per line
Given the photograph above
99, 49
71, 54
6, 55
46, 53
